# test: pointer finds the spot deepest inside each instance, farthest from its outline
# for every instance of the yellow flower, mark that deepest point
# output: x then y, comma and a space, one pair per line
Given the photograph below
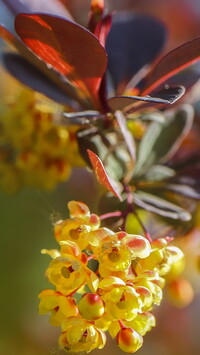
82, 227
104, 322
154, 283
59, 306
32, 144
81, 335
122, 301
162, 259
118, 250
68, 270
118, 275
142, 323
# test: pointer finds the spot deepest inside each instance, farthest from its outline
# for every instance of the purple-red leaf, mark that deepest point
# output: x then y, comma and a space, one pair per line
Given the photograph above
133, 42
103, 28
102, 176
172, 63
126, 102
67, 47
11, 39
30, 76
65, 86
169, 95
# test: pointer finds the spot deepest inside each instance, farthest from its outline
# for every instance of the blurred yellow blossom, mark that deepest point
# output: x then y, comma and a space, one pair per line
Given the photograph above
34, 149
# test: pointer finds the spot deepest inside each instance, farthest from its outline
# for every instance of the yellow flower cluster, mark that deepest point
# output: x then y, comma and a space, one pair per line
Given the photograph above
104, 281
33, 149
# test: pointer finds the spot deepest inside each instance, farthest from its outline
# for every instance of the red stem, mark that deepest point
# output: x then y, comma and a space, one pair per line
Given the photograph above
121, 324
110, 215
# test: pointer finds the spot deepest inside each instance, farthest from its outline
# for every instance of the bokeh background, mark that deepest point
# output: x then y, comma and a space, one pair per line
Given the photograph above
27, 217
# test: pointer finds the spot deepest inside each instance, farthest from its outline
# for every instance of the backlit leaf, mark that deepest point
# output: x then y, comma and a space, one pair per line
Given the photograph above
102, 29
102, 176
65, 86
66, 46
172, 63
30, 76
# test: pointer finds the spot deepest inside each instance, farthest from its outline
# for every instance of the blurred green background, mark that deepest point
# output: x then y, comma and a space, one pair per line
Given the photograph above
26, 227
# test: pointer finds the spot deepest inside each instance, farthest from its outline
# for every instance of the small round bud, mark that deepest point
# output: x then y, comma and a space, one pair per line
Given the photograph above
180, 292
129, 340
91, 306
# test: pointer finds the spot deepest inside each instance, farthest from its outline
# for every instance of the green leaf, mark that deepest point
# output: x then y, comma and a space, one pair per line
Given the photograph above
183, 190
159, 173
160, 206
114, 156
128, 137
152, 116
162, 140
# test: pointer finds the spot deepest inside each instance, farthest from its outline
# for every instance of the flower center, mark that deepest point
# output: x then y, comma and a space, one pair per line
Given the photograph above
114, 256
65, 272
74, 234
84, 336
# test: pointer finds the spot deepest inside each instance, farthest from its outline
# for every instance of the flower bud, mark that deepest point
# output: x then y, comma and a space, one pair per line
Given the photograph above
129, 340
91, 306
180, 292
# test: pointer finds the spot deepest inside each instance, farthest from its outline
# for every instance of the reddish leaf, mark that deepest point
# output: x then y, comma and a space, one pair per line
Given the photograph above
172, 63
126, 102
23, 50
65, 86
169, 95
69, 48
134, 41
95, 14
10, 38
103, 28
186, 77
30, 76
102, 176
